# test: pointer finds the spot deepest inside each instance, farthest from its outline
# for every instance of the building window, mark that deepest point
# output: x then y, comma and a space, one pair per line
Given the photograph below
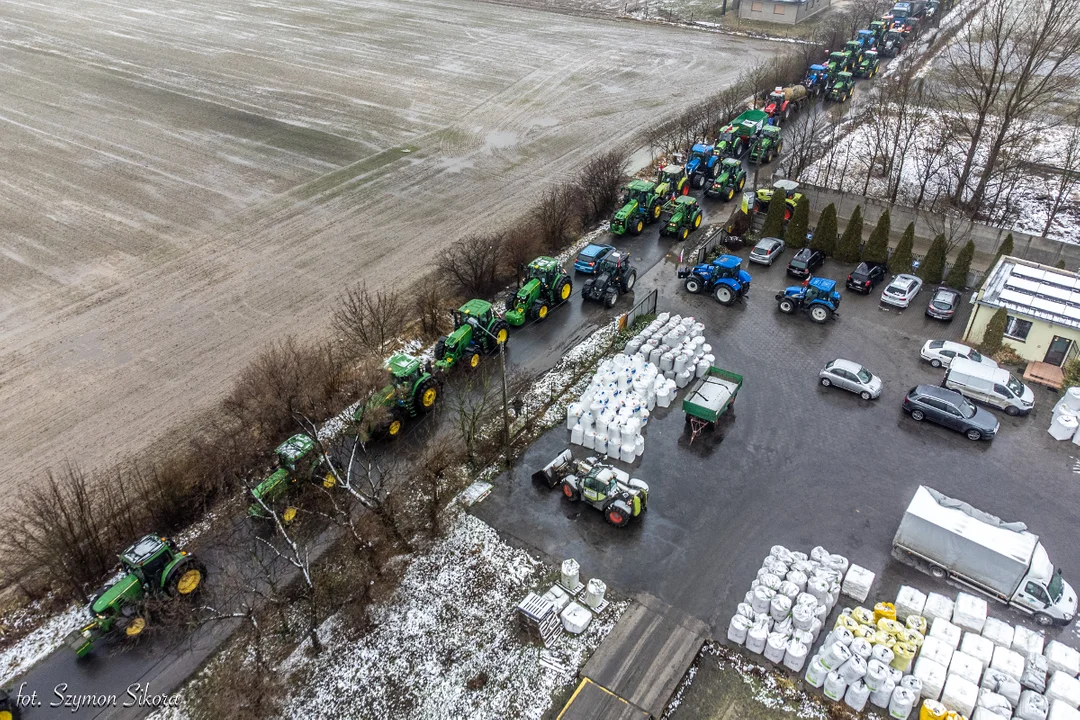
778, 9
755, 7
1017, 329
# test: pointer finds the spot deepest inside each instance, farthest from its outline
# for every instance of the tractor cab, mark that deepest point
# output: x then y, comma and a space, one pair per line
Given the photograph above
774, 101
815, 73
639, 191
405, 371
700, 154
478, 310
771, 133
672, 180
147, 558
892, 44
853, 50
838, 62
866, 39
731, 165
868, 65
726, 266
613, 262
820, 289
599, 484
878, 28
544, 269
289, 453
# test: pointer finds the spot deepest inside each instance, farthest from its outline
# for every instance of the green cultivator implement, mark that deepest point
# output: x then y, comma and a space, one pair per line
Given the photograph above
541, 286
151, 567
640, 205
477, 330
413, 391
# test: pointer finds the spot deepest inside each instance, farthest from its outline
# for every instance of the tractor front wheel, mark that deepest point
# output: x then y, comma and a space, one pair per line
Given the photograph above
656, 211
618, 514
820, 314
472, 360
684, 233
685, 189
440, 348
427, 394
570, 493
132, 627
787, 306
541, 311
629, 280
637, 227
697, 221
742, 182
610, 298
694, 284
698, 181
729, 193
501, 331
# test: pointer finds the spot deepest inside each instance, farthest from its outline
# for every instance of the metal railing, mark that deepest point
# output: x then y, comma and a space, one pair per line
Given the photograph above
646, 306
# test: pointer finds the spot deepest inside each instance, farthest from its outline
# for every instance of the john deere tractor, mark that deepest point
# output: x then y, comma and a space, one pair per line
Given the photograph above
672, 180
878, 28
294, 460
680, 216
731, 179
854, 50
868, 66
702, 165
768, 145
838, 62
413, 391
786, 189
842, 88
640, 205
542, 284
817, 297
151, 567
477, 330
597, 482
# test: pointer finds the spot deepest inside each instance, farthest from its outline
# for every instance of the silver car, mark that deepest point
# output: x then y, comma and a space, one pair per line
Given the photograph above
901, 291
766, 251
851, 376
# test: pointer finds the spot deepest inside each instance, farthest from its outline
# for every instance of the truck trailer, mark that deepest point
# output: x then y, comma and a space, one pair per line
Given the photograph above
949, 539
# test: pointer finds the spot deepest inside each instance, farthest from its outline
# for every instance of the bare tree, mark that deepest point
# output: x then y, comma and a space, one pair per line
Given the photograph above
599, 184
1069, 173
368, 321
473, 264
557, 216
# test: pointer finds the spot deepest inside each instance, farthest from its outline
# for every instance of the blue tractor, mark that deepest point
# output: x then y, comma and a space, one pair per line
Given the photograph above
867, 39
724, 278
816, 80
817, 296
702, 165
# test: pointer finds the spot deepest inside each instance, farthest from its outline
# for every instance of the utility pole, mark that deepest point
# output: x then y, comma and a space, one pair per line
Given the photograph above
505, 407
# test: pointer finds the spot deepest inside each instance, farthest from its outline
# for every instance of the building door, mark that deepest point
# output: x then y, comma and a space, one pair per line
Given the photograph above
1059, 348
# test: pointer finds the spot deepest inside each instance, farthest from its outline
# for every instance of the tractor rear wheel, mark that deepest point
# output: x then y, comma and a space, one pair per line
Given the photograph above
563, 288
426, 395
787, 306
186, 578
570, 493
724, 295
820, 314
618, 514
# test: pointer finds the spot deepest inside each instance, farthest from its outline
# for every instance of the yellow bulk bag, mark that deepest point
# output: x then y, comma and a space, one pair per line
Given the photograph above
912, 638
953, 715
890, 626
863, 631
917, 623
863, 616
846, 621
902, 655
932, 710
883, 638
884, 610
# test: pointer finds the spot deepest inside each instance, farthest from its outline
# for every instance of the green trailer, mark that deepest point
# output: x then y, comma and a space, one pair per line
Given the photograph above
709, 398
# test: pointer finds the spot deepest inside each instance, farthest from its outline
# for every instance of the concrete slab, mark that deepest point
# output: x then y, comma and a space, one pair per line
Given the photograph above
592, 702
647, 653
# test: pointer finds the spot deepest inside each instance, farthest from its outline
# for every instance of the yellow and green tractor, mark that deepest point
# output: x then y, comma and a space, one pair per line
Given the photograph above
477, 330
412, 392
542, 285
640, 205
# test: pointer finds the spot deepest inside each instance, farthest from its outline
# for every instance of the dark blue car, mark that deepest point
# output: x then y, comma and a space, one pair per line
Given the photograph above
588, 260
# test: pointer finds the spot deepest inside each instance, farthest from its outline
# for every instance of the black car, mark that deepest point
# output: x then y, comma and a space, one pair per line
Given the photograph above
805, 262
943, 304
863, 278
951, 409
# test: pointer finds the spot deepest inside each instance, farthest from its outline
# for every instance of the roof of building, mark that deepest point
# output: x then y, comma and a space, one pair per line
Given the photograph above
1038, 291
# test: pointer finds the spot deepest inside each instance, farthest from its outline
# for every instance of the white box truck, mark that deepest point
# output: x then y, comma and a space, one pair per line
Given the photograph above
950, 539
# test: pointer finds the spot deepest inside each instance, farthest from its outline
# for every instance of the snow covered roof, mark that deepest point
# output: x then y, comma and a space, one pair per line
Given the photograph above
1039, 291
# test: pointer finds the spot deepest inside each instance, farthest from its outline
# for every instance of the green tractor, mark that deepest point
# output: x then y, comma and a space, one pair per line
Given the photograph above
412, 392
672, 180
294, 459
151, 567
736, 138
781, 188
542, 285
768, 145
731, 179
837, 63
477, 330
680, 216
853, 49
868, 66
842, 88
640, 205
878, 28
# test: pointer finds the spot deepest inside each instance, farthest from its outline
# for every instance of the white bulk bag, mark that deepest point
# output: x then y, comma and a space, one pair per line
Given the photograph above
1027, 641
816, 673
835, 687
933, 676
937, 606
960, 695
861, 647
943, 629
903, 700
876, 674
854, 669
802, 617
883, 694
969, 612
756, 638
966, 667
1062, 657
856, 696
1065, 688
737, 629
1036, 668
912, 683
1001, 633
979, 647
779, 607
990, 700
835, 655
883, 654
775, 647
936, 649
1009, 662
1002, 684
857, 582
1032, 706
789, 590
909, 601
795, 657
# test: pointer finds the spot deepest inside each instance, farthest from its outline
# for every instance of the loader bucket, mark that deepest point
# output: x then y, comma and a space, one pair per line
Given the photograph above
556, 470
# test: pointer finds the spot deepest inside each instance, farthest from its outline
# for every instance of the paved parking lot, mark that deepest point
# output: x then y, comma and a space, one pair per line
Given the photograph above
798, 465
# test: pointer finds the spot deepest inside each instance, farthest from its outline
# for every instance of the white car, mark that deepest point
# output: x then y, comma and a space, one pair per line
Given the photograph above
940, 353
851, 376
766, 251
901, 291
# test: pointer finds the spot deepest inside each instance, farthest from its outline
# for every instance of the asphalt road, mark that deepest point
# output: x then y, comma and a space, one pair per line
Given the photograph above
798, 464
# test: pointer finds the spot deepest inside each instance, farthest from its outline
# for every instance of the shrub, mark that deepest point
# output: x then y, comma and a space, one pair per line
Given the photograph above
774, 218
957, 277
900, 260
825, 233
933, 265
850, 247
1007, 356
1071, 372
1006, 248
367, 321
995, 332
795, 234
877, 247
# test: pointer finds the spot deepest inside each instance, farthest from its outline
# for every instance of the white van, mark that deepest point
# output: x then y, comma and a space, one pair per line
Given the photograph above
993, 386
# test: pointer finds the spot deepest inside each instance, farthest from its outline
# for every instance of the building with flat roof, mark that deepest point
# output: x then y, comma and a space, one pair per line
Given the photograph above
787, 12
1043, 303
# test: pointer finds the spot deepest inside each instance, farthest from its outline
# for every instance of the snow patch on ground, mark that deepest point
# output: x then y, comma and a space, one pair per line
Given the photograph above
21, 656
